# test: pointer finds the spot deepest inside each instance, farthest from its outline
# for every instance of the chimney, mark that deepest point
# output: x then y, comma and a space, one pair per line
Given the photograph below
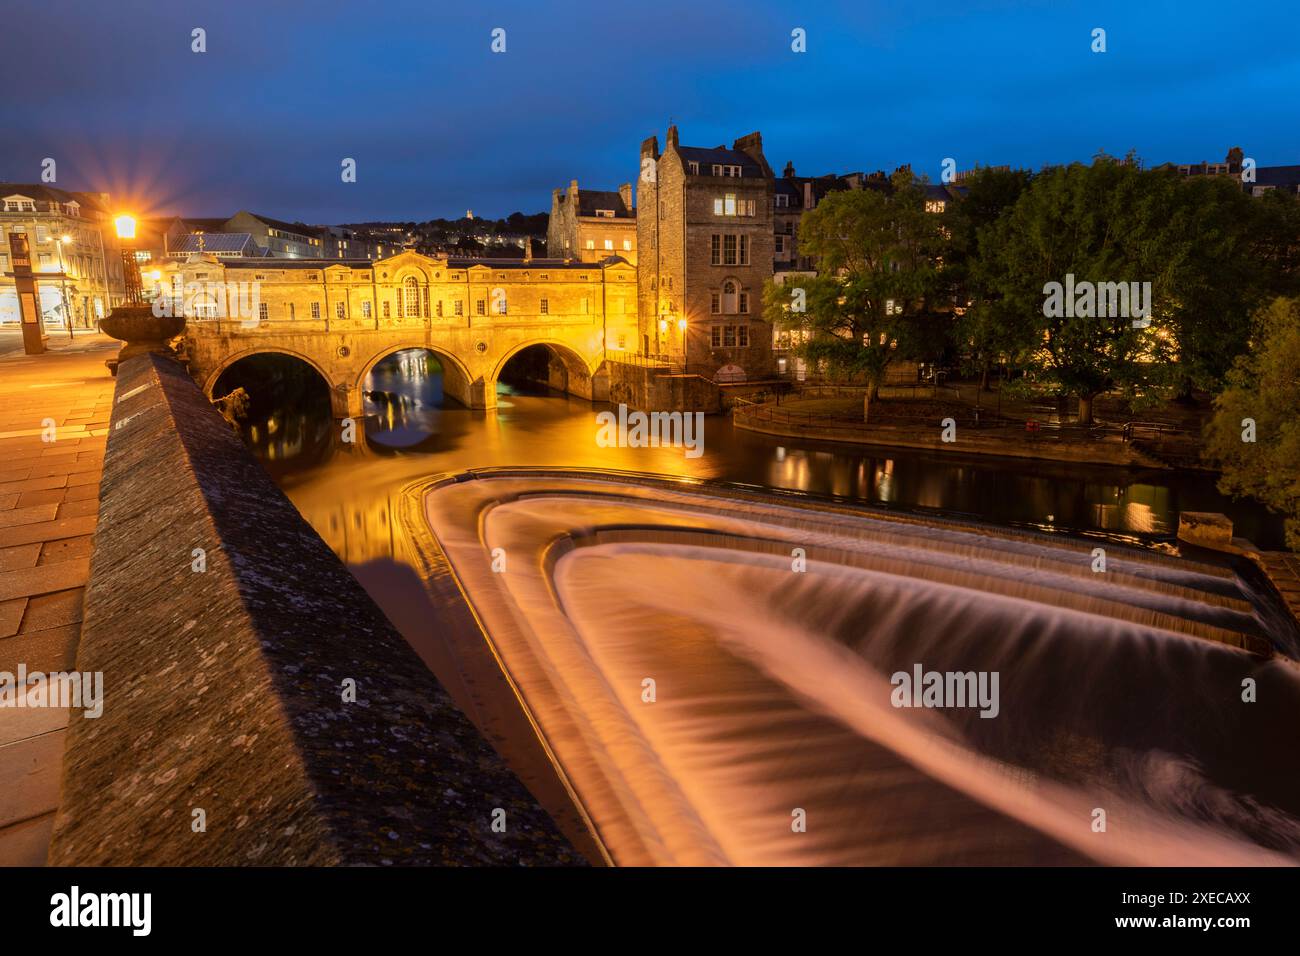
788, 172
672, 137
751, 145
625, 191
650, 148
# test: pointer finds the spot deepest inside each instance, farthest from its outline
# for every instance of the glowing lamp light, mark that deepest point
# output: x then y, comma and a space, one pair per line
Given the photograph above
663, 325
681, 325
125, 226
153, 276
64, 240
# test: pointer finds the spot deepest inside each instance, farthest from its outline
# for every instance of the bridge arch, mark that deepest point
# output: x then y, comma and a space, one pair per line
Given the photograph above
457, 381
227, 361
578, 371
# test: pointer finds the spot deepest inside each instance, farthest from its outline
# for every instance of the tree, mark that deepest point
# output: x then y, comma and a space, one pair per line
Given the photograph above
1259, 403
1085, 227
987, 328
876, 254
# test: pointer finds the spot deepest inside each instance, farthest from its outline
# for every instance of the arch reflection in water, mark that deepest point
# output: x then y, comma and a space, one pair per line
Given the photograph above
287, 418
1118, 692
403, 399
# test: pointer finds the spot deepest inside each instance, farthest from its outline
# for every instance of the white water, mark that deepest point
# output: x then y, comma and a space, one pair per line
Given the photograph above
773, 695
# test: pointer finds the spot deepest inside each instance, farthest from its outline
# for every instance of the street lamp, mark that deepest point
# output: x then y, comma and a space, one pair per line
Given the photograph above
125, 226
63, 282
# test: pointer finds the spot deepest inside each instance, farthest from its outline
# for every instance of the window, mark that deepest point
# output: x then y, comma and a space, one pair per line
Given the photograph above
693, 168
591, 243
365, 309
609, 245
315, 310
605, 213
729, 249
742, 336
291, 311
460, 307
730, 290
715, 303
480, 307
410, 297
388, 309
263, 311
424, 299
627, 245
42, 234
744, 250
715, 249
780, 244
715, 336
934, 205
729, 337
340, 310
729, 204
438, 308
544, 307
744, 303
782, 201
44, 260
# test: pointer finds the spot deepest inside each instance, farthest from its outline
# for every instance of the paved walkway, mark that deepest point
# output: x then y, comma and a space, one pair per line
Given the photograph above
49, 497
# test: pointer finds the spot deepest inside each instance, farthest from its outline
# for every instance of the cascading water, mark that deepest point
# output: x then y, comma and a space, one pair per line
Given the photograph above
714, 676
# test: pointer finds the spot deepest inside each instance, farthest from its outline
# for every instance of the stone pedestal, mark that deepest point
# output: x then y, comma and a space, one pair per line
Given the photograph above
141, 330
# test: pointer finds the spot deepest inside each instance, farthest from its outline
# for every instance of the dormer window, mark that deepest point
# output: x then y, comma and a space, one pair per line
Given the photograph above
693, 168
605, 213
782, 201
20, 204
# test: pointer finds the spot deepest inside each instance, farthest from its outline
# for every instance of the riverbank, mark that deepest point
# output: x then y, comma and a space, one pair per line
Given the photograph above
954, 426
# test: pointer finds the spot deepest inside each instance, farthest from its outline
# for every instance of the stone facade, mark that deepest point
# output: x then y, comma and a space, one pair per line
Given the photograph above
590, 225
343, 317
91, 258
705, 239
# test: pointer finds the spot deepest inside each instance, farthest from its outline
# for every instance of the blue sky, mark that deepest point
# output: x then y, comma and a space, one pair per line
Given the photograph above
438, 123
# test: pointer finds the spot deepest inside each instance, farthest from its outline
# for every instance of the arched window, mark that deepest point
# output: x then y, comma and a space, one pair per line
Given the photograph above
411, 297
730, 297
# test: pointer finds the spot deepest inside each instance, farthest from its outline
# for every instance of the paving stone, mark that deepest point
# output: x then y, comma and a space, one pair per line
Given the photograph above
16, 517
52, 610
22, 556
65, 549
46, 531
45, 579
46, 496
79, 509
11, 617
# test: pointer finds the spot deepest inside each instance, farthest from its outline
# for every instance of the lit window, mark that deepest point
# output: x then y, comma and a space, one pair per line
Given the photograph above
729, 204
609, 245
365, 309
480, 307
627, 245
410, 297
544, 307
591, 243
315, 310
460, 307
388, 310
262, 311
340, 310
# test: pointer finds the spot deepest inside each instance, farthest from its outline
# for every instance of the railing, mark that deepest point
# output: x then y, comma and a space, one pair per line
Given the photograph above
1031, 430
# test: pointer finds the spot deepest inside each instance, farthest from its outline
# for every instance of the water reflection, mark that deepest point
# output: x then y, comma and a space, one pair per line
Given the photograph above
412, 431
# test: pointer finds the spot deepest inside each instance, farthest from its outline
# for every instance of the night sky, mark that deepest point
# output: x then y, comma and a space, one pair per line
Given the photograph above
438, 123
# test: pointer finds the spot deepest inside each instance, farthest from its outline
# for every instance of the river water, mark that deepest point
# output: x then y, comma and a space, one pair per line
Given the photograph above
775, 687
413, 432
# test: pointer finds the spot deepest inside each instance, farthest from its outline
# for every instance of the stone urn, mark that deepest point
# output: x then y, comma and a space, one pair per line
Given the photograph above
141, 330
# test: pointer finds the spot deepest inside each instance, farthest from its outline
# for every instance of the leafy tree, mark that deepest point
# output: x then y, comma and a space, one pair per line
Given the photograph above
1264, 389
987, 328
1101, 224
876, 255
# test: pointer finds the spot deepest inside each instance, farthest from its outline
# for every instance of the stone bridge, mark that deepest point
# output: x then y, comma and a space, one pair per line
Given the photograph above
343, 351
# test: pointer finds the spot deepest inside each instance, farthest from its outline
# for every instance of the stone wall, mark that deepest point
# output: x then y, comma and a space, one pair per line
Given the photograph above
225, 684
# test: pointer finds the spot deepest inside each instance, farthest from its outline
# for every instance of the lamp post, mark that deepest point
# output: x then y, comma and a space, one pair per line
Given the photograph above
134, 322
63, 283
125, 226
